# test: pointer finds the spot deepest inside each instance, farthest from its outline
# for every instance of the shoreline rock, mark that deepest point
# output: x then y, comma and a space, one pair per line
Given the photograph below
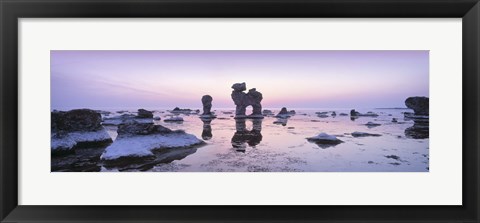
75, 129
139, 141
242, 100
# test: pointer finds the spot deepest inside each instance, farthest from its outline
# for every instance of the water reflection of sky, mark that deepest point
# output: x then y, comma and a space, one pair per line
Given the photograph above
263, 146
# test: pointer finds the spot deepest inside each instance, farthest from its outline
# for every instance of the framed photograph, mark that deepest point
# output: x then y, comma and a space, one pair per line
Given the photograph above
261, 111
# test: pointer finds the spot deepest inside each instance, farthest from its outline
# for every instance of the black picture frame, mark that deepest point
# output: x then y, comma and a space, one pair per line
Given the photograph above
12, 10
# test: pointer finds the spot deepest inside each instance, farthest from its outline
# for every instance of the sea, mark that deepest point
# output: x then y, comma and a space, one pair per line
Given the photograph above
278, 145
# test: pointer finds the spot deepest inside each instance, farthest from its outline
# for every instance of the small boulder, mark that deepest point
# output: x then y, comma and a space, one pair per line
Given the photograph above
142, 113
325, 139
372, 124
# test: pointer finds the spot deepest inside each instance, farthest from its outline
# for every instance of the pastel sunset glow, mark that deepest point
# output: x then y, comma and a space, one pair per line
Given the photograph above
293, 79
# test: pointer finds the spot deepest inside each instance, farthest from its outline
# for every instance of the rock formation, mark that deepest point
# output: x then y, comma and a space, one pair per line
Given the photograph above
419, 105
207, 106
77, 128
242, 100
142, 113
420, 117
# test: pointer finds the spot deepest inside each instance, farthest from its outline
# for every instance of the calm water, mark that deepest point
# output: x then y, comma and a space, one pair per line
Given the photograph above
281, 147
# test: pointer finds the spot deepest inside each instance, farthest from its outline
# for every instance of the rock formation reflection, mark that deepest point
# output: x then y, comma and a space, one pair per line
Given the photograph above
244, 137
207, 129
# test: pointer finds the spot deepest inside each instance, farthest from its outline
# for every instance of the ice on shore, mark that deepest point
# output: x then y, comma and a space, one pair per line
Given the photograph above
70, 140
143, 145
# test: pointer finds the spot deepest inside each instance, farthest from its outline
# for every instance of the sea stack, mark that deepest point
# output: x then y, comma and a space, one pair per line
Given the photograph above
242, 100
419, 105
207, 106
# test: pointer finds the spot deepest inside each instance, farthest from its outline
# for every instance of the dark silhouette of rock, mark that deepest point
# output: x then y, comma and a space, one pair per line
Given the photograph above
372, 124
364, 134
207, 104
76, 120
78, 128
267, 112
419, 105
354, 113
178, 110
242, 100
324, 140
284, 113
142, 113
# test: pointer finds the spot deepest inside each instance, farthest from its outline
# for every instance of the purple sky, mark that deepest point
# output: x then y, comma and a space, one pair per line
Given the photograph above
293, 79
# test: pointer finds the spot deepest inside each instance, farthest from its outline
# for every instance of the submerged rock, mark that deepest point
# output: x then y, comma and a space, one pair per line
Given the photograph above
76, 129
420, 105
322, 115
186, 111
363, 134
343, 114
281, 121
174, 119
325, 140
267, 112
372, 124
76, 120
354, 113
